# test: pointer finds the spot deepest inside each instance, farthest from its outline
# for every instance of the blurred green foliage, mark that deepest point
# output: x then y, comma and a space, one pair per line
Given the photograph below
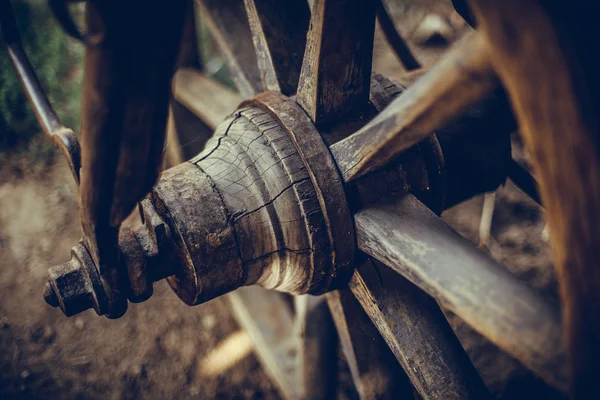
57, 61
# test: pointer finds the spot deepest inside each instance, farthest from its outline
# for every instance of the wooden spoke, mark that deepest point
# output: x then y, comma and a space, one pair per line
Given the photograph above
394, 39
279, 34
208, 99
268, 319
186, 126
418, 334
414, 242
462, 78
547, 57
302, 364
336, 70
375, 372
317, 350
188, 49
124, 117
228, 22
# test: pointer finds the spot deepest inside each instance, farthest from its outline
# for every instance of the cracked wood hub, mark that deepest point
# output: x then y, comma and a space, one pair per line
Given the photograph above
262, 204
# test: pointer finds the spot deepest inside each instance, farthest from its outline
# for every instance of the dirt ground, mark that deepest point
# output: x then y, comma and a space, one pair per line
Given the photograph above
155, 351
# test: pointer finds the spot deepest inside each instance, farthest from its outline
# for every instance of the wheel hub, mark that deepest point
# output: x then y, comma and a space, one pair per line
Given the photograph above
264, 204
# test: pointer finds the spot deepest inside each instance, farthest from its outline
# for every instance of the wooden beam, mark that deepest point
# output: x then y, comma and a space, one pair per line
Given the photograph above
228, 23
462, 77
375, 371
405, 235
418, 334
208, 99
279, 35
336, 70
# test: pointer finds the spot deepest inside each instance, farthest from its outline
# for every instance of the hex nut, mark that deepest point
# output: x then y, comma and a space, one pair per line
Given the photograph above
71, 287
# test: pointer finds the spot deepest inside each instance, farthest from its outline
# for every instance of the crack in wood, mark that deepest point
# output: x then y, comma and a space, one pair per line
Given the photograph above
290, 186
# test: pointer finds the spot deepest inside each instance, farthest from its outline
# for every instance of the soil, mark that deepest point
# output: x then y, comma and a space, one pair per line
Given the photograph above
155, 350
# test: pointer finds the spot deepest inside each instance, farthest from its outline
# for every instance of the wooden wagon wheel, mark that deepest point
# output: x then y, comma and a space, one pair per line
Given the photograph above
329, 159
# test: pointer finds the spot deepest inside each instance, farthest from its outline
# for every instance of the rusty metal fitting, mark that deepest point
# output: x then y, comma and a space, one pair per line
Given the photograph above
145, 257
76, 286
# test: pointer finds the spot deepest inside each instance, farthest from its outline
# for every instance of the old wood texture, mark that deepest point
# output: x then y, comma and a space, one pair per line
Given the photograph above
375, 371
323, 175
336, 70
460, 79
394, 39
547, 57
414, 242
264, 209
279, 35
128, 68
418, 334
228, 23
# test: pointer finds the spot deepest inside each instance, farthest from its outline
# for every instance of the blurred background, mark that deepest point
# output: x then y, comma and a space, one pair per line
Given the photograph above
162, 348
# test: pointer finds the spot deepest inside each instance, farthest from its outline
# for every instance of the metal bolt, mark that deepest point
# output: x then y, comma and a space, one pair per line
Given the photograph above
75, 286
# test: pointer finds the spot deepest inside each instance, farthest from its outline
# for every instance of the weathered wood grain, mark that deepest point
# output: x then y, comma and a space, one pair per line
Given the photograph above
375, 372
336, 70
418, 334
279, 35
271, 203
327, 183
228, 23
546, 55
460, 79
414, 242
